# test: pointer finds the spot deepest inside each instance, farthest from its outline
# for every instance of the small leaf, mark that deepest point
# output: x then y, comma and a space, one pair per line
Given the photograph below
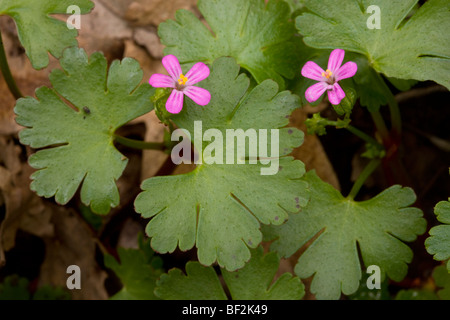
38, 31
137, 273
376, 227
199, 283
14, 288
438, 244
295, 5
252, 282
48, 292
364, 293
259, 36
441, 277
79, 143
416, 294
374, 151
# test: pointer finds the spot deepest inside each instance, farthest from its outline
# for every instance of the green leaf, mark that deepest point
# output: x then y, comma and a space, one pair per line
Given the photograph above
48, 292
364, 293
252, 282
441, 277
79, 141
339, 228
401, 84
14, 288
137, 271
259, 36
374, 151
296, 6
199, 283
370, 85
38, 31
416, 294
219, 207
418, 49
94, 220
438, 244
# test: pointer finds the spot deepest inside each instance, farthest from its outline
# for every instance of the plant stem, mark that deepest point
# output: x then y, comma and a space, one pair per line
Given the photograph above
137, 144
396, 118
364, 136
7, 72
368, 170
381, 125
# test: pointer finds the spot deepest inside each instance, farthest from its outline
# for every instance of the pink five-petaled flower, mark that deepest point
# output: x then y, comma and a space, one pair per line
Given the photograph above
182, 84
328, 80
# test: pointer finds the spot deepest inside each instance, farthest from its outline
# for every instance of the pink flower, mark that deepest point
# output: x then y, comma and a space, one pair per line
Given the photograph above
182, 84
328, 80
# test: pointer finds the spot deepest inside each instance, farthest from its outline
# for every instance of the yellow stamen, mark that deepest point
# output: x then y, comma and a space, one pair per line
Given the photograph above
327, 74
183, 80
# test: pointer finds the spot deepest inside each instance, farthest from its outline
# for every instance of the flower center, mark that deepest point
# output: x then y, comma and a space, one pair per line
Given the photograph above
183, 80
327, 74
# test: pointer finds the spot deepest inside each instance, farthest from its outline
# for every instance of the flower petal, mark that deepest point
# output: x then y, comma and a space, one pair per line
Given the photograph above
315, 91
175, 102
198, 72
336, 94
199, 95
339, 92
312, 71
346, 71
161, 81
172, 66
335, 60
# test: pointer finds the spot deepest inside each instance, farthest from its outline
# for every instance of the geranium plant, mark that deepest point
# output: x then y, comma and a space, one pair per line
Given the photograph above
238, 73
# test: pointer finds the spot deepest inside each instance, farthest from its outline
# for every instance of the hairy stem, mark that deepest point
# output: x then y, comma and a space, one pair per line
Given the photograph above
137, 144
368, 170
4, 67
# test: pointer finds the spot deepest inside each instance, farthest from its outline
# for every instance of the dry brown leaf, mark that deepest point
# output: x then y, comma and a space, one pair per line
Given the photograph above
72, 244
24, 209
147, 12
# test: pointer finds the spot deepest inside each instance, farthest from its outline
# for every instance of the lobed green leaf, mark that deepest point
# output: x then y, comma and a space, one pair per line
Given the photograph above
259, 36
438, 244
340, 229
252, 282
78, 134
39, 32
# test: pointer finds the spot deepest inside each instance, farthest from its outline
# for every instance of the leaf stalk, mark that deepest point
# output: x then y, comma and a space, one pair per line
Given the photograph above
7, 75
